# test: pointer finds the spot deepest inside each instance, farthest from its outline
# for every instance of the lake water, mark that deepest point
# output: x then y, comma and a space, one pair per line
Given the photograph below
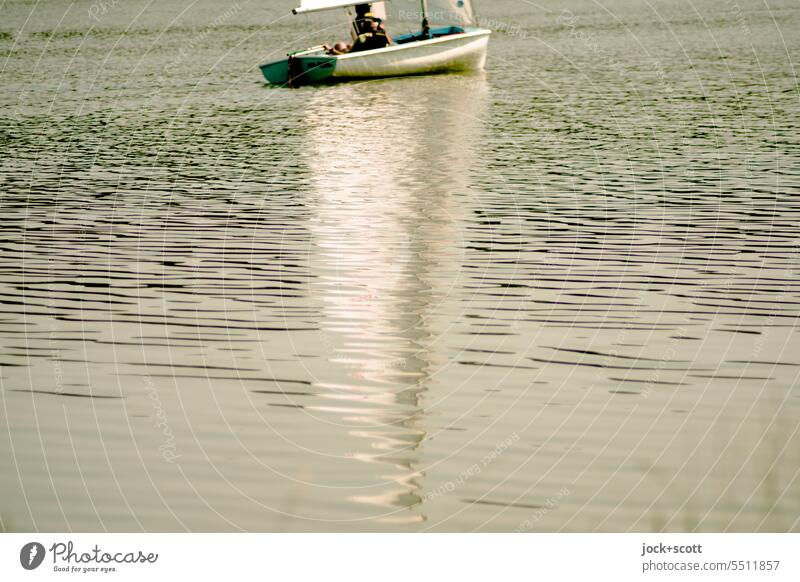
560, 296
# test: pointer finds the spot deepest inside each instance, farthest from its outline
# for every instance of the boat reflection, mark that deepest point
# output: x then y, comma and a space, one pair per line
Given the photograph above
380, 234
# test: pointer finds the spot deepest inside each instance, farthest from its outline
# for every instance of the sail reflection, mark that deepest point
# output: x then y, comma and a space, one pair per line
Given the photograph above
380, 234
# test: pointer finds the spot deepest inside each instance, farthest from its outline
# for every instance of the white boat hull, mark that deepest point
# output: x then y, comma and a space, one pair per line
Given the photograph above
458, 52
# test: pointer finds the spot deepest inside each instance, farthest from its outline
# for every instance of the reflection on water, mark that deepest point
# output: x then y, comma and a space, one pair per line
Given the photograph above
375, 234
561, 296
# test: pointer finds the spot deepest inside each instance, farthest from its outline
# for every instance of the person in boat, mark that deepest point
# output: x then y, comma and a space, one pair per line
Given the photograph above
371, 33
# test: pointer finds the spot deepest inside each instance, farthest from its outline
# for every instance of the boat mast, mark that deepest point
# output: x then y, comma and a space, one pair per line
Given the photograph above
426, 29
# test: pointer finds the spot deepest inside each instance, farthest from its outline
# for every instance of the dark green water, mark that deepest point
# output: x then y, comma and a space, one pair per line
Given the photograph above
560, 296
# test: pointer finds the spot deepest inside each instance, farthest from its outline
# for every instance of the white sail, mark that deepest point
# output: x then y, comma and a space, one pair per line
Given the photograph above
407, 14
379, 10
452, 12
317, 5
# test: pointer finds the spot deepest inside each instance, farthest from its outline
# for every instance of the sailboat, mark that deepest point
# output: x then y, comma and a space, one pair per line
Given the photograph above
445, 38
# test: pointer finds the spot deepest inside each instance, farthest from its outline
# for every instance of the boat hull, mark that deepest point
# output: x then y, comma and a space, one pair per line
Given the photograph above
455, 52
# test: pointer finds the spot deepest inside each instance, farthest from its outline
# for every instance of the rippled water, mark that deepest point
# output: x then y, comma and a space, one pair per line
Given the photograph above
560, 296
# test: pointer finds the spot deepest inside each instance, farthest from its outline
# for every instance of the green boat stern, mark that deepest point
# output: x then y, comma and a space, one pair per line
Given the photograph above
300, 70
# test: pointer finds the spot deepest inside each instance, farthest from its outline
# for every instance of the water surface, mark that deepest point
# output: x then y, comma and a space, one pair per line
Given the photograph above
560, 296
